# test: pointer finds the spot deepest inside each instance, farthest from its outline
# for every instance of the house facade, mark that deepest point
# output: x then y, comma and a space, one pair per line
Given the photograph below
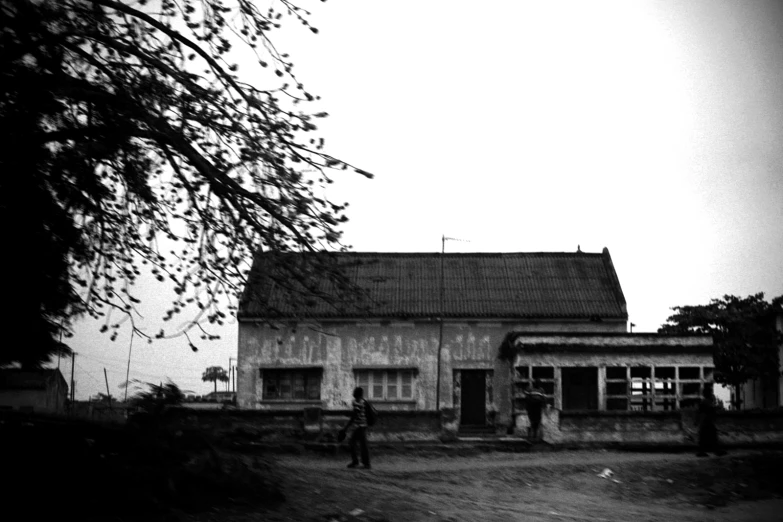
432, 338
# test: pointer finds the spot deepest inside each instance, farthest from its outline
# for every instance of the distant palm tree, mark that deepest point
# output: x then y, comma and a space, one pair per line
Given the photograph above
215, 374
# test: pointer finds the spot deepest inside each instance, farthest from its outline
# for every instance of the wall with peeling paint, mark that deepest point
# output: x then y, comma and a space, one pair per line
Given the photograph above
339, 348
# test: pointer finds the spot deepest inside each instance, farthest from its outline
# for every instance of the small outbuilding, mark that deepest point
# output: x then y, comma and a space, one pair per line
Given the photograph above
41, 391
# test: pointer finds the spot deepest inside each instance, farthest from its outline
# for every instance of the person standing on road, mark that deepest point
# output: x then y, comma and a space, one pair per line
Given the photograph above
534, 403
359, 435
708, 431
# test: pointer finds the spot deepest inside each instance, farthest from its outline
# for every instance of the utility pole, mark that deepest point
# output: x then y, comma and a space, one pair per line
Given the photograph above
59, 348
443, 240
73, 390
108, 393
127, 372
440, 326
232, 374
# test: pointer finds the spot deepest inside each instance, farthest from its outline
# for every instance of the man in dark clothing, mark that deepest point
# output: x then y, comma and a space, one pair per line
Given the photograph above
359, 435
708, 432
534, 403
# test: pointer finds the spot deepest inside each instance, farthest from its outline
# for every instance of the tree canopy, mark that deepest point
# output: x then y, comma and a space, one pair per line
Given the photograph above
743, 330
154, 398
130, 142
214, 374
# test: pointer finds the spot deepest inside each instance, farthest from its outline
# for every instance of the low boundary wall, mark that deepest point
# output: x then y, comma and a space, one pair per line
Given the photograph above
735, 428
309, 424
581, 428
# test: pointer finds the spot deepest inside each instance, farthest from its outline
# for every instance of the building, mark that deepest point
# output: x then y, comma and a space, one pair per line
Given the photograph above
431, 337
220, 397
40, 391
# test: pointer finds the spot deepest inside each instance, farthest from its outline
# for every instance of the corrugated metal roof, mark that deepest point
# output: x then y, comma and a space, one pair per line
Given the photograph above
408, 285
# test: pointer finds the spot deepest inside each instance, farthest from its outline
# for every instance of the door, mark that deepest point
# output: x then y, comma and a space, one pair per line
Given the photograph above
473, 407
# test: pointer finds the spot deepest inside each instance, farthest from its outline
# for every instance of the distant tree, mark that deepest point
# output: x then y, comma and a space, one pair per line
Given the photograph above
154, 398
215, 374
127, 138
104, 399
744, 334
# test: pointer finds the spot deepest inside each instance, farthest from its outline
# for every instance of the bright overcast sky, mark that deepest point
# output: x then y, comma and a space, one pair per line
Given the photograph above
650, 128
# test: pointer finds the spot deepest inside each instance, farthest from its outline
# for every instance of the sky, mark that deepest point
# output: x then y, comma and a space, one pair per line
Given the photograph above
649, 128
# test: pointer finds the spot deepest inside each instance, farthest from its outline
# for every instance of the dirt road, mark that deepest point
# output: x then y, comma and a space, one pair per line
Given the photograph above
743, 486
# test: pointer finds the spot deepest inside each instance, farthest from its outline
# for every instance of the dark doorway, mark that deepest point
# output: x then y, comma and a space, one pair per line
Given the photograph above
473, 407
580, 388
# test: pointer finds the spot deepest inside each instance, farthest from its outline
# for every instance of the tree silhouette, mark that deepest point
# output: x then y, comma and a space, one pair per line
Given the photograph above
215, 374
155, 398
129, 142
744, 333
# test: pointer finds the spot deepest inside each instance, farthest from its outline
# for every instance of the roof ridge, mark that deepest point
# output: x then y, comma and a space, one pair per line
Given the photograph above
422, 254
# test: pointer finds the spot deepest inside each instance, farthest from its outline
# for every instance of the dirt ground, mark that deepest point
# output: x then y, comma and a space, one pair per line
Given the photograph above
538, 486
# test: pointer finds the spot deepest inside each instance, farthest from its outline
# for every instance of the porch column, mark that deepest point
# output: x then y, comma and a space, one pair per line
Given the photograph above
558, 388
601, 388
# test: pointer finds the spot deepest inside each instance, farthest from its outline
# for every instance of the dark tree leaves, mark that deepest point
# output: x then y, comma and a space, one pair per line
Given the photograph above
743, 330
129, 141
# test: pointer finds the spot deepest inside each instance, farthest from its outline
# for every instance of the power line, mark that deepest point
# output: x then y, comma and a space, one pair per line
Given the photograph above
104, 359
91, 376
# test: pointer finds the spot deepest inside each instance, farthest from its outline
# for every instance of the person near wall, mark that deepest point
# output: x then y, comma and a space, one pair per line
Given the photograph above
708, 431
359, 435
534, 404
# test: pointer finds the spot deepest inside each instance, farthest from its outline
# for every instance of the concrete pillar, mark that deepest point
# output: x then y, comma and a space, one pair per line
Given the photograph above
558, 388
602, 388
503, 390
652, 386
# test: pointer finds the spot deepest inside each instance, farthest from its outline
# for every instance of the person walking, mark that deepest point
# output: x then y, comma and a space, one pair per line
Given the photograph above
534, 403
359, 435
708, 431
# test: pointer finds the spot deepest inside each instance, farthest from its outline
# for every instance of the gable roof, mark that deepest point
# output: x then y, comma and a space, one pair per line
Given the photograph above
475, 285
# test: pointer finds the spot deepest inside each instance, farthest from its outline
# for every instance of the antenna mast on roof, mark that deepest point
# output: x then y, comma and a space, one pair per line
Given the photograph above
442, 293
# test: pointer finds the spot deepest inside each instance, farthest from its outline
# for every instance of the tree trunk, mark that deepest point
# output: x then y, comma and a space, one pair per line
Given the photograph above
737, 403
215, 382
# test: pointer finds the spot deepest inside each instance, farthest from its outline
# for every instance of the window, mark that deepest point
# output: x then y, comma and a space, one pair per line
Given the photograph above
690, 373
296, 385
665, 388
641, 388
655, 388
524, 377
616, 388
386, 385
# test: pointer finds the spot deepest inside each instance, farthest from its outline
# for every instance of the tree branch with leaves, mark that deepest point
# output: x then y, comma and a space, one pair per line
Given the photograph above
130, 142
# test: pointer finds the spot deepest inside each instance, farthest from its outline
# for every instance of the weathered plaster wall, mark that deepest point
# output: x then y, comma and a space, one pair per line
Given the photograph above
338, 348
615, 427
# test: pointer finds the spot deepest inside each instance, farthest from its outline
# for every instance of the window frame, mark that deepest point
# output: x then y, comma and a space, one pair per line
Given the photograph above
310, 379
659, 391
523, 381
372, 374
